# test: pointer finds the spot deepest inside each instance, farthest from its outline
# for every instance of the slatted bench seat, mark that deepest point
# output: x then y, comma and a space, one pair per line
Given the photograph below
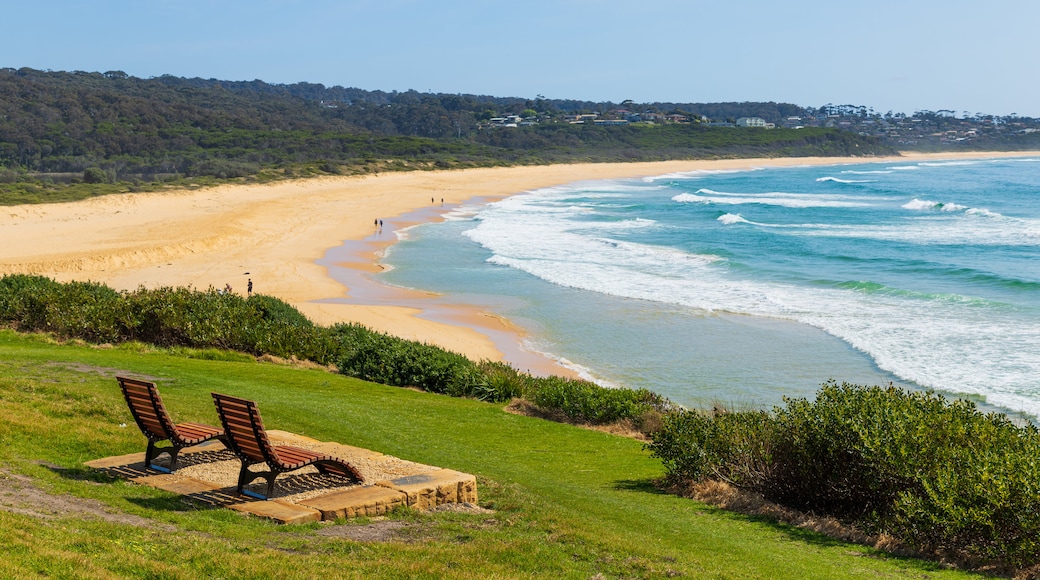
247, 439
150, 415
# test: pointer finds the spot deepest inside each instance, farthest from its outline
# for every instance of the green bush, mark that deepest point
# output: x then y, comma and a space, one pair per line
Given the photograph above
209, 321
95, 175
394, 361
696, 445
24, 300
940, 476
502, 382
588, 402
86, 310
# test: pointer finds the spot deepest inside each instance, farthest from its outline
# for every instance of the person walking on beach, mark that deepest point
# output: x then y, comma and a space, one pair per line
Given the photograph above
249, 287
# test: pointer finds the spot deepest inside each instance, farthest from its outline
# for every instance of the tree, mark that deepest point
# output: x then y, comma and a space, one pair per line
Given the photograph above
95, 175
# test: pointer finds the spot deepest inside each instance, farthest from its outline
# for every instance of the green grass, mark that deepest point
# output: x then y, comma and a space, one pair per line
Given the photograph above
569, 502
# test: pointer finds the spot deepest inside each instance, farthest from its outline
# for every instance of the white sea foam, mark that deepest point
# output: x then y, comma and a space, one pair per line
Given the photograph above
973, 228
925, 204
732, 218
403, 234
837, 180
622, 225
792, 200
870, 172
904, 167
947, 163
919, 204
695, 174
982, 212
462, 213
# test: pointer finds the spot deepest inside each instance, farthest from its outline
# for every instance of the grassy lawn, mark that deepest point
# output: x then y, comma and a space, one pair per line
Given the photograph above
568, 502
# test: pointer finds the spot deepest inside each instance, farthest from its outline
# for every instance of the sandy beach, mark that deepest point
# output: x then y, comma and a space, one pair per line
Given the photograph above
276, 234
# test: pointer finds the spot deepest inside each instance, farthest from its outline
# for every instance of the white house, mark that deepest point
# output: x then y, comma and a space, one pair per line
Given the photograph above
751, 122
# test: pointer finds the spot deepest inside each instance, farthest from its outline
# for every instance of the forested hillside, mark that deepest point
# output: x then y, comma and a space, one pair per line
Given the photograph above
69, 128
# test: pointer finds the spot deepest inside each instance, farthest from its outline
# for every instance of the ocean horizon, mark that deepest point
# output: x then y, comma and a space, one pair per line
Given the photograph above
741, 288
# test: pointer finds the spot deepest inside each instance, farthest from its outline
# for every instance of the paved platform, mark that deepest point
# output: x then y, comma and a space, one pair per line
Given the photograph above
207, 473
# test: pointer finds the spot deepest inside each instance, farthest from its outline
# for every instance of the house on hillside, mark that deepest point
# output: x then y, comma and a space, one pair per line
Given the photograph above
753, 122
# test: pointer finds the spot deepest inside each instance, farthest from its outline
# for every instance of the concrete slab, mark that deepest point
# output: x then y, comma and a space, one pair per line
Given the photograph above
117, 461
282, 512
362, 501
432, 489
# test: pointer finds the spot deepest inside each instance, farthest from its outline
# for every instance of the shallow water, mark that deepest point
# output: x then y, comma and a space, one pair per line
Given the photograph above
743, 287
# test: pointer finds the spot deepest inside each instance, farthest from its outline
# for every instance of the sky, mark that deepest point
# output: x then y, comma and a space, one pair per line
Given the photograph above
892, 55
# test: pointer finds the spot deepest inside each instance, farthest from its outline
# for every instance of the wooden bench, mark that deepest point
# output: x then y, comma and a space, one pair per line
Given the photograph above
150, 414
248, 440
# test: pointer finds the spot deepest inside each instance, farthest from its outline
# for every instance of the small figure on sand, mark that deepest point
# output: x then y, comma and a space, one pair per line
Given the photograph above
227, 289
249, 287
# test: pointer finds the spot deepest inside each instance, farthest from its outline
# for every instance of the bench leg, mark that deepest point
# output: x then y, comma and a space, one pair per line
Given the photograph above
153, 452
245, 477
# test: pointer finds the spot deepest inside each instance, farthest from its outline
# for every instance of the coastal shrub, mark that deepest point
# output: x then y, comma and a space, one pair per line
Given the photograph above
938, 475
394, 361
697, 445
277, 328
85, 310
502, 382
209, 321
185, 317
24, 300
95, 175
587, 402
277, 311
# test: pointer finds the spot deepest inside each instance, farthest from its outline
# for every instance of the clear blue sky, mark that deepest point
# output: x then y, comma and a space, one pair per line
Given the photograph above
899, 55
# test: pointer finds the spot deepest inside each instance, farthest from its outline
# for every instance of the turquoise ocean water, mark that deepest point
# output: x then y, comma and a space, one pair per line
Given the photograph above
742, 287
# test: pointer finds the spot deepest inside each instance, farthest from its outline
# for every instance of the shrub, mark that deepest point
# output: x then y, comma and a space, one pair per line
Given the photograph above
394, 361
95, 175
940, 476
24, 300
697, 446
205, 320
502, 382
89, 311
588, 402
84, 310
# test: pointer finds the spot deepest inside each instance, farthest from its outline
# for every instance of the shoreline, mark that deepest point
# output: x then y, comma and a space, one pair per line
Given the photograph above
287, 238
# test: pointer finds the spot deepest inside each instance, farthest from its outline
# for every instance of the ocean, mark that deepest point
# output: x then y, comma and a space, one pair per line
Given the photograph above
741, 288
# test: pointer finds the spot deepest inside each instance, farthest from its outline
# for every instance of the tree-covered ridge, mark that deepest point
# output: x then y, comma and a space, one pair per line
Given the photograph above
78, 128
